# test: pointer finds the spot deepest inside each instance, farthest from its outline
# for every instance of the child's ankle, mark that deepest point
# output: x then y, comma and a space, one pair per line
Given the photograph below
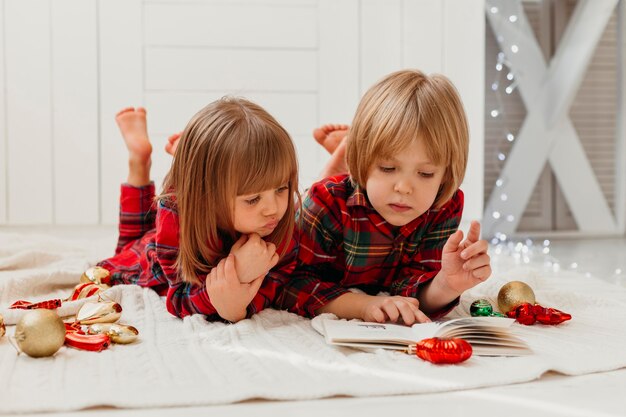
139, 172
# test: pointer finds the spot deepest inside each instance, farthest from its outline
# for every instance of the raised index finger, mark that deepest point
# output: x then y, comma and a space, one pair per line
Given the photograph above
474, 232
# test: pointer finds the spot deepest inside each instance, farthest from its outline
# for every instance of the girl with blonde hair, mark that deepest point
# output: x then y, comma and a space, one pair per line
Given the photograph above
219, 240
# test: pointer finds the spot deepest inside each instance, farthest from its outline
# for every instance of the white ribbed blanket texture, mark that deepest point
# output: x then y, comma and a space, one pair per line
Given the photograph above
275, 355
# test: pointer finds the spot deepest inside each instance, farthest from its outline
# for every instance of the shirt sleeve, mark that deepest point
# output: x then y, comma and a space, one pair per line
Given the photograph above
314, 282
182, 298
426, 263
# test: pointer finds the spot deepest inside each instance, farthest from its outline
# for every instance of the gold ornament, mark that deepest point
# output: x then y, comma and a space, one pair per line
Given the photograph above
513, 294
118, 333
107, 312
3, 329
40, 333
97, 275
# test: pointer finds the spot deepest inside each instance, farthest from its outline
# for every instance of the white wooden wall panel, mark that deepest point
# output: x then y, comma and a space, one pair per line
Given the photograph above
75, 111
381, 40
339, 70
464, 38
423, 45
338, 66
231, 25
307, 61
3, 137
231, 69
244, 2
121, 85
29, 128
170, 112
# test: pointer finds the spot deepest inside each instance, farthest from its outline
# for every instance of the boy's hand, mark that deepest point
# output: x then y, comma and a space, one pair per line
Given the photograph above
383, 309
465, 264
254, 257
229, 296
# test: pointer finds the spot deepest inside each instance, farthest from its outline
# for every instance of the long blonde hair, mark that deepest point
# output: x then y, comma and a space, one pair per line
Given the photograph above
397, 109
231, 147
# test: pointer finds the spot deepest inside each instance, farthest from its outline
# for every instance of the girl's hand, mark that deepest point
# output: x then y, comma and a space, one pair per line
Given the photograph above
229, 296
382, 309
465, 264
254, 257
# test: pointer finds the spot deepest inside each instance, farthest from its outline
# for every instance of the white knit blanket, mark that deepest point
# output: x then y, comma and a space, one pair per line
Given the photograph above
275, 355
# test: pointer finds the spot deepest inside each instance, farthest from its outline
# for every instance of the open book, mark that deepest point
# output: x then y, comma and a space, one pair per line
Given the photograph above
489, 336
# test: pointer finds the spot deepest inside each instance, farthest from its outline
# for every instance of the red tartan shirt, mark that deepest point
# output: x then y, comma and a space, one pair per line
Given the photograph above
147, 250
345, 243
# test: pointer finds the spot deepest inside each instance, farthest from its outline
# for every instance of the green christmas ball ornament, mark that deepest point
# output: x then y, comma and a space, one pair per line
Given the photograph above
481, 308
40, 333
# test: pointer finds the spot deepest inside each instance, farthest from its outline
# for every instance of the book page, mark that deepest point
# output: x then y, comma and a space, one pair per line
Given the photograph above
489, 336
464, 325
341, 331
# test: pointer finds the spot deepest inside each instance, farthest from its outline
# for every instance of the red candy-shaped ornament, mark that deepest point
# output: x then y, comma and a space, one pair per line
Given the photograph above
524, 314
528, 314
77, 339
551, 315
27, 305
438, 350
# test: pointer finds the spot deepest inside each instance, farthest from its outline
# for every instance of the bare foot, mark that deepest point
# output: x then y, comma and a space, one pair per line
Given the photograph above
172, 143
133, 126
330, 136
337, 163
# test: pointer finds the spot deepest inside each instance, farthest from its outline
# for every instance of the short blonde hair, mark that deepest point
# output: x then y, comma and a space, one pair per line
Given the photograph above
231, 147
399, 108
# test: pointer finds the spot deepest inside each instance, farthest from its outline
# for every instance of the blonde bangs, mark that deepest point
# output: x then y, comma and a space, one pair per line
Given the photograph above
264, 170
402, 107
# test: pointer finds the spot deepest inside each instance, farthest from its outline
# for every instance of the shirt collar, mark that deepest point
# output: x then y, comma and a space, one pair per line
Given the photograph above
357, 197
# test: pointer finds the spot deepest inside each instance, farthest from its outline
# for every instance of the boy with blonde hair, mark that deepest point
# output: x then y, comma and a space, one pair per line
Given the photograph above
381, 244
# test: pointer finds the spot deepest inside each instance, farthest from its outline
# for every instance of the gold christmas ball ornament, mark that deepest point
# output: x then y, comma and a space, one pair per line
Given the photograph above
96, 275
40, 333
513, 294
3, 329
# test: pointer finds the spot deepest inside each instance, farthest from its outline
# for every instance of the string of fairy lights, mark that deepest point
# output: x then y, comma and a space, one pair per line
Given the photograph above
525, 251
504, 81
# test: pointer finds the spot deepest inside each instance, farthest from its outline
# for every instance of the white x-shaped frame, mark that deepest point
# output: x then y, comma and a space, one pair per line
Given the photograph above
547, 132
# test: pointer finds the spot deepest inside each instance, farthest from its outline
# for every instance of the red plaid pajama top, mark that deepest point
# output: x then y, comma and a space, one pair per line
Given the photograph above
344, 243
147, 249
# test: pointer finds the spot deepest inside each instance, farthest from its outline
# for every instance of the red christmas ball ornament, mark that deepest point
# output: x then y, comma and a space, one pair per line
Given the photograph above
438, 350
